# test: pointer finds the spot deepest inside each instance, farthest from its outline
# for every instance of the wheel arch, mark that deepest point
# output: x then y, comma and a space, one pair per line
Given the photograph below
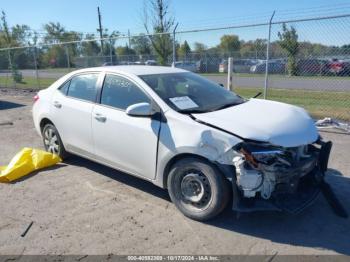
44, 121
227, 170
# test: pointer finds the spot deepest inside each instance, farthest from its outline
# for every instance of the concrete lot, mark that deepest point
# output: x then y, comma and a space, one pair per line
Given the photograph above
80, 207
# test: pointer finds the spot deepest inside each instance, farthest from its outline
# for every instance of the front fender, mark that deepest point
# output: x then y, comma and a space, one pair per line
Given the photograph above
181, 135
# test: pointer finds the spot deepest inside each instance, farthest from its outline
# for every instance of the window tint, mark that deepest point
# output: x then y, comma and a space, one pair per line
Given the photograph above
64, 88
83, 87
121, 93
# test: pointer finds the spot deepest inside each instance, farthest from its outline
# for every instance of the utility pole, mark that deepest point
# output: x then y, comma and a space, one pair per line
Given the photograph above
129, 38
100, 28
174, 44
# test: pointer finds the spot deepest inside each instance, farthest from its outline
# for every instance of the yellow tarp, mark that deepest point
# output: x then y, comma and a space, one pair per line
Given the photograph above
26, 161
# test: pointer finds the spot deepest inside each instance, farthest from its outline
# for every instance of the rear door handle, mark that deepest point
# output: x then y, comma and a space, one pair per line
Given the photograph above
100, 117
57, 104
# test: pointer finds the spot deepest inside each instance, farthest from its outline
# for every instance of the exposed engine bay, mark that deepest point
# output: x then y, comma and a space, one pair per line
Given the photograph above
282, 178
263, 170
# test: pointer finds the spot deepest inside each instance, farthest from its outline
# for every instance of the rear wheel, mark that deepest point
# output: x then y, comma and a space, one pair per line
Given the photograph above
198, 189
52, 141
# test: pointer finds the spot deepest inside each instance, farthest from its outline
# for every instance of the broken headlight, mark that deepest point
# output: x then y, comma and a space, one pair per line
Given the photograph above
264, 154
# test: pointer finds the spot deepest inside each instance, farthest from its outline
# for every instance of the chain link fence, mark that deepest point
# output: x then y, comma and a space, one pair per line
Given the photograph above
308, 60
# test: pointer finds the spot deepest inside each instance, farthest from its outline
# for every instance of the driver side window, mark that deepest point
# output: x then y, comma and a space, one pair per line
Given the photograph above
120, 93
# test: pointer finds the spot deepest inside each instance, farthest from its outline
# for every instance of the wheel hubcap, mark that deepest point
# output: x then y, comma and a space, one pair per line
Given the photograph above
195, 189
51, 141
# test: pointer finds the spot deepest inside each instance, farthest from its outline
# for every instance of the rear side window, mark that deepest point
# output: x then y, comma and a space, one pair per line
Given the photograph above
120, 93
83, 87
64, 88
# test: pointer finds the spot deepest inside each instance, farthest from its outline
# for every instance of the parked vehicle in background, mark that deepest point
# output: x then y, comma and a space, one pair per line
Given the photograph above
243, 65
151, 62
125, 63
189, 66
239, 65
338, 67
208, 65
108, 64
204, 144
275, 67
311, 67
223, 66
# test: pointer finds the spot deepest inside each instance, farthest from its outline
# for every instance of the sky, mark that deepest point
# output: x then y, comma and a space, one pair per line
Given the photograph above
81, 15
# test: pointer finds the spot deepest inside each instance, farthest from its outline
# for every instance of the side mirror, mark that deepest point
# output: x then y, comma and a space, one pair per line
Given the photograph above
140, 109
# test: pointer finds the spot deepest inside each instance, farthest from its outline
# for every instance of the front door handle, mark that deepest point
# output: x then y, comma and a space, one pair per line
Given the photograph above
57, 104
100, 117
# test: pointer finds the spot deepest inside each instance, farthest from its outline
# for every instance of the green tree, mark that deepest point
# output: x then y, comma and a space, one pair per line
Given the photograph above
89, 52
161, 22
184, 50
59, 55
141, 45
54, 33
10, 38
90, 48
108, 44
125, 51
253, 49
289, 42
199, 48
229, 43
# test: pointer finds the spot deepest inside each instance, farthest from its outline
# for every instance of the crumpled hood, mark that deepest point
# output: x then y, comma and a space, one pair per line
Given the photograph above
267, 121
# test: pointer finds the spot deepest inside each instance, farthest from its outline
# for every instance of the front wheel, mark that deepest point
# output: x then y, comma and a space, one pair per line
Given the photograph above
198, 189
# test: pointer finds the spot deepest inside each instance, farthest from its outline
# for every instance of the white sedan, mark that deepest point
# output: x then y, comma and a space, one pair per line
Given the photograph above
182, 132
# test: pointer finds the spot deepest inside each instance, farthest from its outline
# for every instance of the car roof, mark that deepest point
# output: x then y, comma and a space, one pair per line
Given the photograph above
136, 69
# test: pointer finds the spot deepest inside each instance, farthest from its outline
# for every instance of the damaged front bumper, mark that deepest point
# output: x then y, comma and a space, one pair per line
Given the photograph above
306, 193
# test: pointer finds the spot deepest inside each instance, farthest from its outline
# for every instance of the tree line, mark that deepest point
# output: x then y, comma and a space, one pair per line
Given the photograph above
158, 23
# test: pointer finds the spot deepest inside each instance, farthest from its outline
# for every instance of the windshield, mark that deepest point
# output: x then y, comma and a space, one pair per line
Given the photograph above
191, 93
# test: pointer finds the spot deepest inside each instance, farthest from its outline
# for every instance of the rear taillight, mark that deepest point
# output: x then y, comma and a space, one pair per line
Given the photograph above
36, 98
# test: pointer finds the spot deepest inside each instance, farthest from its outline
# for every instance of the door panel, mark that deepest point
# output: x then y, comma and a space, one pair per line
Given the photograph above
73, 122
125, 142
71, 109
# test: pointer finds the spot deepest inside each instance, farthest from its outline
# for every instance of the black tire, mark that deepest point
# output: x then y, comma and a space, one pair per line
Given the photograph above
50, 146
188, 178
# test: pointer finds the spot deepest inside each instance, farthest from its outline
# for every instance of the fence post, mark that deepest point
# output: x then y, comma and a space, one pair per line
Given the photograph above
67, 55
268, 57
206, 62
110, 50
229, 73
9, 57
36, 67
10, 66
174, 45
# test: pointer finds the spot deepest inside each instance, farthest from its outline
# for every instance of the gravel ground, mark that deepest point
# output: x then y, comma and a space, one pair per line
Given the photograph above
80, 207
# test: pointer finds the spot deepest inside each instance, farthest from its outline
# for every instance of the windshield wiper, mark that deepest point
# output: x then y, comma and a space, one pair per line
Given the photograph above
191, 111
227, 105
257, 95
